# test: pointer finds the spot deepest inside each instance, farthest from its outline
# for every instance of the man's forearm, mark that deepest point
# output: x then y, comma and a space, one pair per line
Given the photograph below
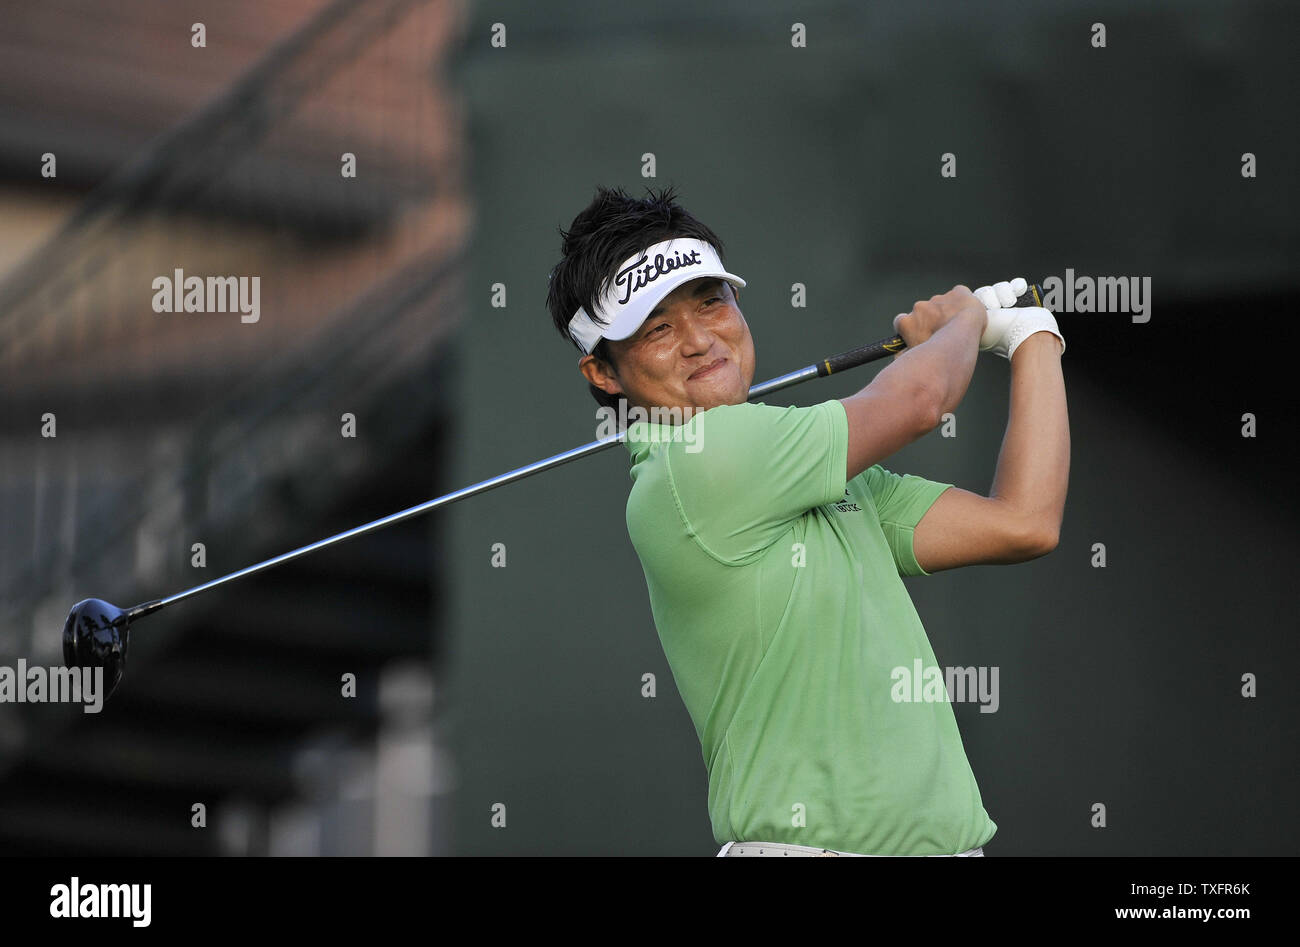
1034, 464
943, 364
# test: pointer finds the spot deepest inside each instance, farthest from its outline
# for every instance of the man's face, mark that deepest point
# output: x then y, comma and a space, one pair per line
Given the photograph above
693, 351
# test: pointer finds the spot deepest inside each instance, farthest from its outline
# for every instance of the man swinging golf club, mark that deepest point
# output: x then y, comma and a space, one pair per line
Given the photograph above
773, 541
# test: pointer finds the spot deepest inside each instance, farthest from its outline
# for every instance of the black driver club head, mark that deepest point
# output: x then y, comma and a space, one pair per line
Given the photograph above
97, 634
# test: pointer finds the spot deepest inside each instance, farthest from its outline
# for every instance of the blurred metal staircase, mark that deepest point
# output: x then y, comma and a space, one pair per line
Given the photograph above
236, 447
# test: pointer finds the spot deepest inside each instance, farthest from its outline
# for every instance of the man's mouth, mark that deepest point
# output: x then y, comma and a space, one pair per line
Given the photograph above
707, 369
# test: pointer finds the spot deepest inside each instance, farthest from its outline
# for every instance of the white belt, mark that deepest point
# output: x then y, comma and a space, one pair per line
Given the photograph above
732, 849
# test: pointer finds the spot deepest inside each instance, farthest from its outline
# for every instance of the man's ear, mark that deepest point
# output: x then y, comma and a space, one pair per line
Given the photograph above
600, 373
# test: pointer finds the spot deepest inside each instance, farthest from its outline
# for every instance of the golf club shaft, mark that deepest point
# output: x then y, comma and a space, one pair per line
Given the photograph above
836, 363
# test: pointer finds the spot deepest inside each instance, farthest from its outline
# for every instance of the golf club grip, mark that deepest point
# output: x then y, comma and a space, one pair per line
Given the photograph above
1032, 296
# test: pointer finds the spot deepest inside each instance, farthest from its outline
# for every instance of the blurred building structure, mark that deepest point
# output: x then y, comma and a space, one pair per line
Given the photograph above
234, 157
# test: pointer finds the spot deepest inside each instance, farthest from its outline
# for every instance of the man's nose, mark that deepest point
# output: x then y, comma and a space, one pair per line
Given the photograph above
697, 338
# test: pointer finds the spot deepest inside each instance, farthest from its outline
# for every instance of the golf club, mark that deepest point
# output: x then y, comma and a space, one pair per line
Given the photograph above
97, 633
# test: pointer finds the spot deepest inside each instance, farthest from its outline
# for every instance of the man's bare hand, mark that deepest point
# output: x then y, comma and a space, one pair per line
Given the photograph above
929, 316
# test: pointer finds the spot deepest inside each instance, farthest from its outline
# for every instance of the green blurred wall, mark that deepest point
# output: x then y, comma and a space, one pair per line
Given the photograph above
820, 166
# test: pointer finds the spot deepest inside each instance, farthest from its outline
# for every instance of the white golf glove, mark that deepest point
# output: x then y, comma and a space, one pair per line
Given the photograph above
1009, 326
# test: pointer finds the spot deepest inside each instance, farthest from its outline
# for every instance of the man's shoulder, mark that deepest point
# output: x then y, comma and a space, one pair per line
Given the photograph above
736, 420
739, 440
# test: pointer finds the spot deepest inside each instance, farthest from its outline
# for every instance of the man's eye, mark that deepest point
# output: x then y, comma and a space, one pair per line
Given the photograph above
662, 325
713, 299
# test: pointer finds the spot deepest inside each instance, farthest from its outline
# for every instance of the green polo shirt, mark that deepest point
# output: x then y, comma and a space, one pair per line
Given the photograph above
775, 588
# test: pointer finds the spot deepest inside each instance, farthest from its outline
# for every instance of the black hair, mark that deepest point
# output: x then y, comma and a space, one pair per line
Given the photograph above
613, 227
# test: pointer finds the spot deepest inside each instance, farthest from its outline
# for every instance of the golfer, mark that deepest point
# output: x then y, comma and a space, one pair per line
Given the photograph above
773, 541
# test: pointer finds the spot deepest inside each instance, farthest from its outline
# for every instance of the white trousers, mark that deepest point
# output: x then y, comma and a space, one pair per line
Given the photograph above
732, 849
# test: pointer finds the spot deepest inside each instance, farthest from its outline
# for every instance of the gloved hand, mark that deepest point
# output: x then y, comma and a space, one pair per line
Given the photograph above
1007, 326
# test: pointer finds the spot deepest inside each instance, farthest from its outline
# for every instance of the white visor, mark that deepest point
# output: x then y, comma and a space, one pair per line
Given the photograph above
639, 285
